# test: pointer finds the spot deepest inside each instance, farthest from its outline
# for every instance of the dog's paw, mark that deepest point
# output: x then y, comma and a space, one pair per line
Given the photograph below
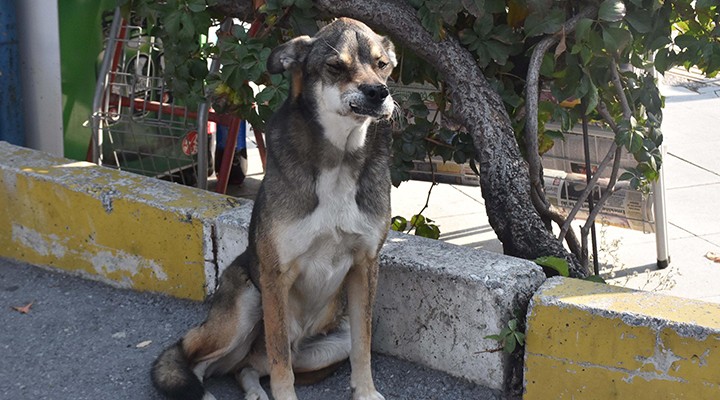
288, 394
208, 396
256, 395
370, 395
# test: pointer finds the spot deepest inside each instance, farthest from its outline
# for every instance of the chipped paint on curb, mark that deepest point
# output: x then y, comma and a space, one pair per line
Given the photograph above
588, 340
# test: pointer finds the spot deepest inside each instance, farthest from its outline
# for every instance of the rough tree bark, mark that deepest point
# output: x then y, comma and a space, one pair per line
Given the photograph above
504, 178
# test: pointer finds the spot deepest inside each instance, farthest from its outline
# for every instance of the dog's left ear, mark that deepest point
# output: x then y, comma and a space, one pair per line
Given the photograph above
390, 48
289, 55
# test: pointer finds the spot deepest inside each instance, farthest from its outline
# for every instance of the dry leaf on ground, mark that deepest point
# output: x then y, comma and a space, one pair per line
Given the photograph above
23, 309
143, 344
713, 256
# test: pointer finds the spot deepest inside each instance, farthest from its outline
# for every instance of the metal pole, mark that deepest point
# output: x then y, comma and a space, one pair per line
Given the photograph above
661, 239
96, 117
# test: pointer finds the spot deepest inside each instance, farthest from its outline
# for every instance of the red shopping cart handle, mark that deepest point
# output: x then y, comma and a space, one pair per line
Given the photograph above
140, 104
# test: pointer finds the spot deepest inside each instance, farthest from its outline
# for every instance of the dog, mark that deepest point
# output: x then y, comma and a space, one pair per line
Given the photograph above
300, 298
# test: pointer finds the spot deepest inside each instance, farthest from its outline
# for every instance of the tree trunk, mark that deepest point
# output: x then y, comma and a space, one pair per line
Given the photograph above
504, 178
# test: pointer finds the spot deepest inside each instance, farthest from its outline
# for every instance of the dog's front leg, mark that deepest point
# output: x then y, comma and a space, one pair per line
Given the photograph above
276, 281
361, 285
277, 343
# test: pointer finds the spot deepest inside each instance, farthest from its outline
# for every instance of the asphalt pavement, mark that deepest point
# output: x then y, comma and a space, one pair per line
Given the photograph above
85, 340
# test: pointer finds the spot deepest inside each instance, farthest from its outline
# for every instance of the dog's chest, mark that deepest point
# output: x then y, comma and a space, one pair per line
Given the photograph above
323, 243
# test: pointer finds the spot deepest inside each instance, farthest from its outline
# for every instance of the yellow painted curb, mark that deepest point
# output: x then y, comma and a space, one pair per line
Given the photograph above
593, 341
121, 228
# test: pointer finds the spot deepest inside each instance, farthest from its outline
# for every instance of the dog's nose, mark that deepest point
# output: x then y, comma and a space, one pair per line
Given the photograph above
375, 93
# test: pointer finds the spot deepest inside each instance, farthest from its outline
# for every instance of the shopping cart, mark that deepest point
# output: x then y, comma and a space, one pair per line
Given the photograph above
139, 127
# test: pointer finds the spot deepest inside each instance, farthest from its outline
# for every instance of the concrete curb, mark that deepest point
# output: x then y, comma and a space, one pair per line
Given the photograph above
435, 301
120, 228
588, 340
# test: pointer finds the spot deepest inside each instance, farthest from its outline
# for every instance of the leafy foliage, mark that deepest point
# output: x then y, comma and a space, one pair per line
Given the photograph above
500, 34
423, 226
555, 263
511, 336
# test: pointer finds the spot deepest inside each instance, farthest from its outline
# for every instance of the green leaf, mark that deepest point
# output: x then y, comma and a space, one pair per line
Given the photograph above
640, 21
661, 61
196, 5
187, 28
431, 22
408, 148
548, 65
512, 324
635, 140
510, 345
538, 24
493, 337
304, 4
483, 25
705, 4
616, 39
611, 10
398, 224
495, 6
474, 7
505, 332
172, 23
499, 52
556, 263
592, 98
428, 230
519, 337
582, 29
417, 220
626, 176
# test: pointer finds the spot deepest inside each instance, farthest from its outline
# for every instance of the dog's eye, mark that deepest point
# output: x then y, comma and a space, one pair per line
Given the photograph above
382, 64
335, 67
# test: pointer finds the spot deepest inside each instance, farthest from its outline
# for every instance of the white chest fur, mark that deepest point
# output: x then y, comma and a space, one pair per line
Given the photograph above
334, 230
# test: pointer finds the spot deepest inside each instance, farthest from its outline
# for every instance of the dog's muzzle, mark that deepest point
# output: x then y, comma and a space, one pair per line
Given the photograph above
373, 101
374, 94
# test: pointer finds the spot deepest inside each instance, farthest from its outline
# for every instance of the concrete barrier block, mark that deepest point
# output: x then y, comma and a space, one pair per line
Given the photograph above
436, 302
124, 229
593, 341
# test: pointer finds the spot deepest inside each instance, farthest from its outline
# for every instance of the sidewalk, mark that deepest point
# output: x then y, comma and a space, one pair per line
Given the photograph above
691, 129
84, 340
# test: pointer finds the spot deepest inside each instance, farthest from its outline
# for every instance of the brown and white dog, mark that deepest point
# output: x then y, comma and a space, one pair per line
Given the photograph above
300, 298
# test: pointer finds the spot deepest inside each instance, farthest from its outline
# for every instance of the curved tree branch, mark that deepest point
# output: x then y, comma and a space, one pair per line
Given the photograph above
532, 96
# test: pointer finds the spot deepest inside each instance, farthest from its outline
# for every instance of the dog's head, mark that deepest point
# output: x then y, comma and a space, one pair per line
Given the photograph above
344, 69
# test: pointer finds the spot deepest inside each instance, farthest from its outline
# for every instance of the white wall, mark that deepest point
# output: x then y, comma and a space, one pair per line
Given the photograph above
39, 38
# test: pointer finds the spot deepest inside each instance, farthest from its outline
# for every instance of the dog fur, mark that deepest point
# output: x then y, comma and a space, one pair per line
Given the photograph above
299, 299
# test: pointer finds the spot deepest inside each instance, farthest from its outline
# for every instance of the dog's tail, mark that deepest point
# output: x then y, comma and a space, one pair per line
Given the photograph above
173, 376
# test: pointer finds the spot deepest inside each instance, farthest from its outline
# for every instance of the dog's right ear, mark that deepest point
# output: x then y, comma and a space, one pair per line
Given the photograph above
289, 55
